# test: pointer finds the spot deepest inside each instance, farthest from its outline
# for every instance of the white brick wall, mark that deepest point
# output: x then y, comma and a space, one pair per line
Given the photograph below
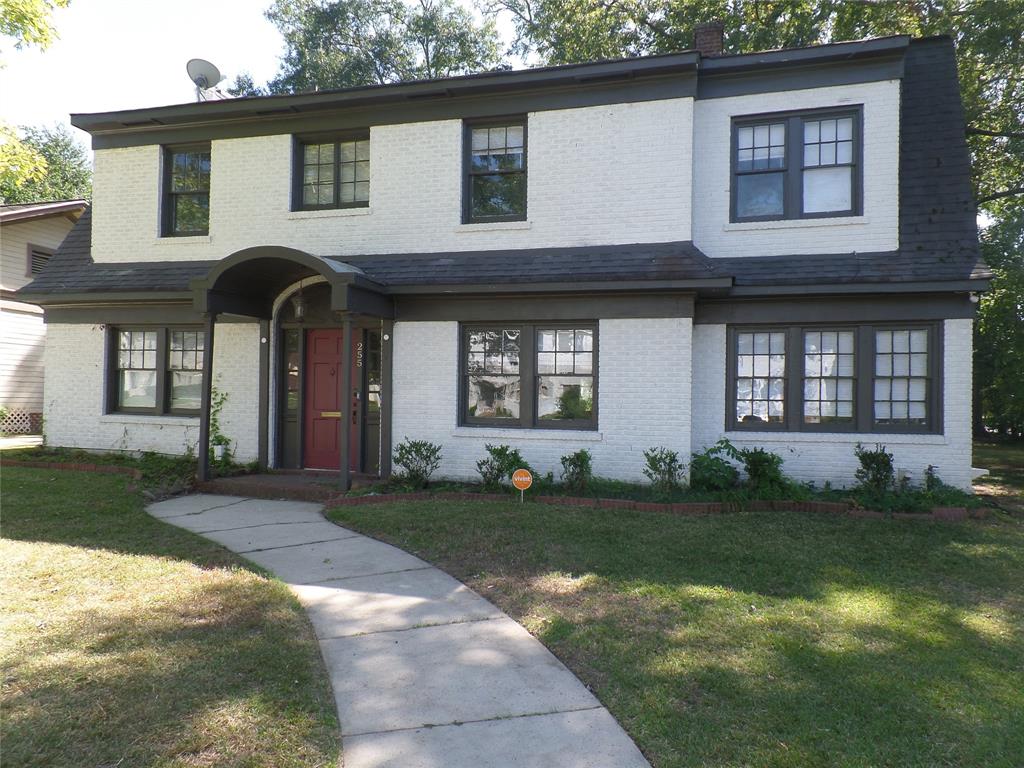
609, 174
820, 457
73, 396
643, 399
876, 230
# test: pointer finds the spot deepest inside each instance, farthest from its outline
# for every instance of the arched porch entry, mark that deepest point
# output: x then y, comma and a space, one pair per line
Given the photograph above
335, 316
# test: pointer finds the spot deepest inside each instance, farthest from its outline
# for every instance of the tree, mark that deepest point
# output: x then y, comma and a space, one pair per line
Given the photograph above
989, 37
21, 165
29, 22
61, 169
343, 43
244, 85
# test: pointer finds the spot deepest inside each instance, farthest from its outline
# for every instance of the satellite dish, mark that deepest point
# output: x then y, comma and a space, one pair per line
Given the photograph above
204, 74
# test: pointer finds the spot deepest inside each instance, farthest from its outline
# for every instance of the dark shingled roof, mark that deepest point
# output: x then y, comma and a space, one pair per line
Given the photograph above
937, 231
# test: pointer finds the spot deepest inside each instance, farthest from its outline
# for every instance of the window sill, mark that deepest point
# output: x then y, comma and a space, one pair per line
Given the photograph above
192, 240
148, 418
896, 438
836, 221
493, 226
496, 433
330, 213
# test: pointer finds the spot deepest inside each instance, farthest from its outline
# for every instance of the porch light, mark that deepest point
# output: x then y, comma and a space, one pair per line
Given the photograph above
299, 306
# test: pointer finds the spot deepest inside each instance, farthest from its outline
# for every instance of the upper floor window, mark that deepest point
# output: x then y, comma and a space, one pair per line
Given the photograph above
333, 174
495, 185
186, 209
796, 166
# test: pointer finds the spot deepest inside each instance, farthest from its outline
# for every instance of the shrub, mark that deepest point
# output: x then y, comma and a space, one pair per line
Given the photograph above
664, 469
712, 471
577, 470
764, 470
420, 459
500, 463
875, 473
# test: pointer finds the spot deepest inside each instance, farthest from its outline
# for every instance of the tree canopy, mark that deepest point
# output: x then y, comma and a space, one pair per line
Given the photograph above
342, 43
29, 22
43, 164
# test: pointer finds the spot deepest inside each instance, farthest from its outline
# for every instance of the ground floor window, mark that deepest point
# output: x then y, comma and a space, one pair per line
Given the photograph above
155, 370
864, 378
529, 375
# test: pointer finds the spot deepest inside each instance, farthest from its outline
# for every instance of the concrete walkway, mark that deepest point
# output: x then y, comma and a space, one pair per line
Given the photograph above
426, 673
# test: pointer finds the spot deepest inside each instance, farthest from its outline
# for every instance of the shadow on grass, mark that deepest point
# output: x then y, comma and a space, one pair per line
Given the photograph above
136, 643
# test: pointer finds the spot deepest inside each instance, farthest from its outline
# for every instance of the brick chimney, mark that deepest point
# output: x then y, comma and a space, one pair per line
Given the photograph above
708, 38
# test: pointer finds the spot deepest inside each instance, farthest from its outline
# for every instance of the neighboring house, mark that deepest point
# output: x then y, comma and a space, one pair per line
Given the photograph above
778, 248
29, 236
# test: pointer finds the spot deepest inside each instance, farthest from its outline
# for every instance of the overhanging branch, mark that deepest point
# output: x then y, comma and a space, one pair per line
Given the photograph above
1001, 195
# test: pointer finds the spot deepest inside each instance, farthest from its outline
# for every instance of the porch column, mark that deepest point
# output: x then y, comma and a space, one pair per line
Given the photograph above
263, 407
345, 404
204, 408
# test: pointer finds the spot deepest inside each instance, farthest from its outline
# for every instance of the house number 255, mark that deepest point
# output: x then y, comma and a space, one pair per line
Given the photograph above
359, 354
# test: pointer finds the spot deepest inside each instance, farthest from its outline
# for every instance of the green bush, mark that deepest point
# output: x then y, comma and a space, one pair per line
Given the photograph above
420, 459
500, 463
711, 469
875, 473
664, 469
764, 470
577, 470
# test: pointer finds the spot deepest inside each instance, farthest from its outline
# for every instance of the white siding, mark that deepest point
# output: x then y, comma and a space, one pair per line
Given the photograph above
14, 240
610, 174
823, 456
643, 399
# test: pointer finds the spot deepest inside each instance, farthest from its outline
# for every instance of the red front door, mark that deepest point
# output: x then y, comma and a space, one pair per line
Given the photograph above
323, 400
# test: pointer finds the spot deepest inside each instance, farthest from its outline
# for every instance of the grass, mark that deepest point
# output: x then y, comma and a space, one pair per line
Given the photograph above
126, 641
1005, 480
758, 639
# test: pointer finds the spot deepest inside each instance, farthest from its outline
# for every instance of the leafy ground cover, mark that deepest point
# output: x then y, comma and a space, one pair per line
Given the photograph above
757, 639
126, 641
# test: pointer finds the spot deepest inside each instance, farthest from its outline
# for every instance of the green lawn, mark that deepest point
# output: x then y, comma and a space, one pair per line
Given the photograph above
128, 642
758, 639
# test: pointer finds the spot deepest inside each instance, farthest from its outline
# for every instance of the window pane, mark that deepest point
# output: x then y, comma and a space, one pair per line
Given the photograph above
186, 389
363, 150
137, 389
759, 195
493, 397
901, 381
760, 382
828, 189
498, 195
362, 191
565, 397
191, 213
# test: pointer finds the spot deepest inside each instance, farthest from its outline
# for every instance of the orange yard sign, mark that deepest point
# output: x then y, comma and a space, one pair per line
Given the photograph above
522, 479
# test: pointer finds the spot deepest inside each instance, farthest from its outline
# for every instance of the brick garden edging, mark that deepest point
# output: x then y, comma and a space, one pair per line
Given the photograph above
946, 514
75, 466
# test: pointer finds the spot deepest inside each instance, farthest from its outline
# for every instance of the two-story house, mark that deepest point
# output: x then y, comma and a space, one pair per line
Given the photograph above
778, 248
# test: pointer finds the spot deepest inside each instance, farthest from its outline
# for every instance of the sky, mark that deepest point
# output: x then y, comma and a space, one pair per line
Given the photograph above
123, 54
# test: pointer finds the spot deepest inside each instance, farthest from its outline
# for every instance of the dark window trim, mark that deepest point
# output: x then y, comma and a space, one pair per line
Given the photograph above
528, 418
166, 196
298, 162
31, 248
163, 347
793, 168
467, 152
864, 379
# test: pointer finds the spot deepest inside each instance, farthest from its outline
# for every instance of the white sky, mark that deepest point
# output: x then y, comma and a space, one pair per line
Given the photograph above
123, 54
